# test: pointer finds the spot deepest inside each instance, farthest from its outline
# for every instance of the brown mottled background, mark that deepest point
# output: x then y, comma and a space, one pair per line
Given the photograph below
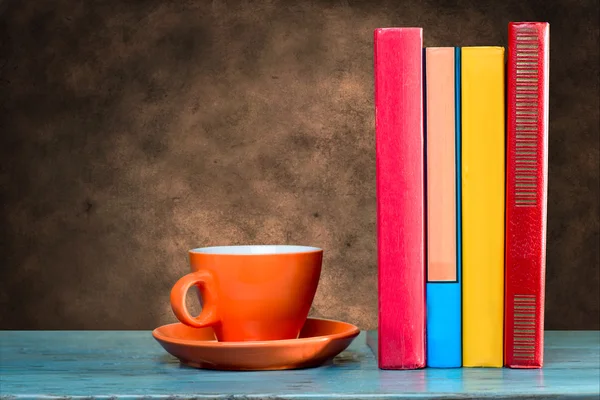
132, 131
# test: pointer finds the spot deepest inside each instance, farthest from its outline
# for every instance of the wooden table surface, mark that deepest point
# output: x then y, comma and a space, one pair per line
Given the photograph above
131, 364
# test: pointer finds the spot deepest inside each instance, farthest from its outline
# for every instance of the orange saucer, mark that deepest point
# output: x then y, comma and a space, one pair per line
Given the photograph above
320, 340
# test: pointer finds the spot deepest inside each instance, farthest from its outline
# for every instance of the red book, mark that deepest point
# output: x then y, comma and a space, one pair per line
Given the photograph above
526, 193
400, 197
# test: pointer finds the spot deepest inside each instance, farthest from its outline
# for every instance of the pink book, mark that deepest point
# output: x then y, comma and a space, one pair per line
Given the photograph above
400, 197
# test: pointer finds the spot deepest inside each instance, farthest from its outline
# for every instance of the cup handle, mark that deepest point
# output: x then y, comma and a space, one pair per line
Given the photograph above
208, 316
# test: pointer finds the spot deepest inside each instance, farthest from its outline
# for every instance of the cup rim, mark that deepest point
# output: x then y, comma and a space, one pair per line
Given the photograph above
255, 250
350, 330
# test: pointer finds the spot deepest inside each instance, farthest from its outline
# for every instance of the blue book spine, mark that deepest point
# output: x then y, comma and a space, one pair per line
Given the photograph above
444, 316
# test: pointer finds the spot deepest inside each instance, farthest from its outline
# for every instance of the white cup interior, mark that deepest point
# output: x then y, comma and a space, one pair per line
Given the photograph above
255, 249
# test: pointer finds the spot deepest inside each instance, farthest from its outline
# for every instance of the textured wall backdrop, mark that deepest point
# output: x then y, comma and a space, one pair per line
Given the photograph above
132, 131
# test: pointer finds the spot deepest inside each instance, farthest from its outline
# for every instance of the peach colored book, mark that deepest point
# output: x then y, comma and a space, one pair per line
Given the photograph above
442, 75
441, 201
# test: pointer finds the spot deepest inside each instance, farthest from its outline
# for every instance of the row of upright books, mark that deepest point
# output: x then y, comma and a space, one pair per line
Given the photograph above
461, 150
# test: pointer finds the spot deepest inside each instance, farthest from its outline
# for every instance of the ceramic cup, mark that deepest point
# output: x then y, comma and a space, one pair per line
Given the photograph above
261, 292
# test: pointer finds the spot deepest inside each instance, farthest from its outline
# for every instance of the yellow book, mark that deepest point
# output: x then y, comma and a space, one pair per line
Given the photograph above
482, 70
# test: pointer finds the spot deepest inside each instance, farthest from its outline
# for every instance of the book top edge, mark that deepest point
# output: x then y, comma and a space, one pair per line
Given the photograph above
399, 28
528, 23
483, 47
410, 31
440, 48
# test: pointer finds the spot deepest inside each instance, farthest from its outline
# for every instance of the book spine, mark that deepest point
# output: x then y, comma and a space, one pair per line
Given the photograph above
400, 173
526, 192
443, 271
483, 173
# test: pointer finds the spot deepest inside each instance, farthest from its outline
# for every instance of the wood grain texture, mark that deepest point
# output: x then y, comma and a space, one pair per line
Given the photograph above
131, 365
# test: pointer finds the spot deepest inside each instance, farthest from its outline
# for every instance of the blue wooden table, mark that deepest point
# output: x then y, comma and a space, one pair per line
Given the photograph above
130, 364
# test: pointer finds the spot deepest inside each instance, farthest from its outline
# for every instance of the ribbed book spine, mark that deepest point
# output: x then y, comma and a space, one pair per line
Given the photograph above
442, 79
400, 190
526, 192
483, 204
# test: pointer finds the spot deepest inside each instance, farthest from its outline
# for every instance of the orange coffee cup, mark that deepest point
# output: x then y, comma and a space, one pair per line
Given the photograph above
254, 292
